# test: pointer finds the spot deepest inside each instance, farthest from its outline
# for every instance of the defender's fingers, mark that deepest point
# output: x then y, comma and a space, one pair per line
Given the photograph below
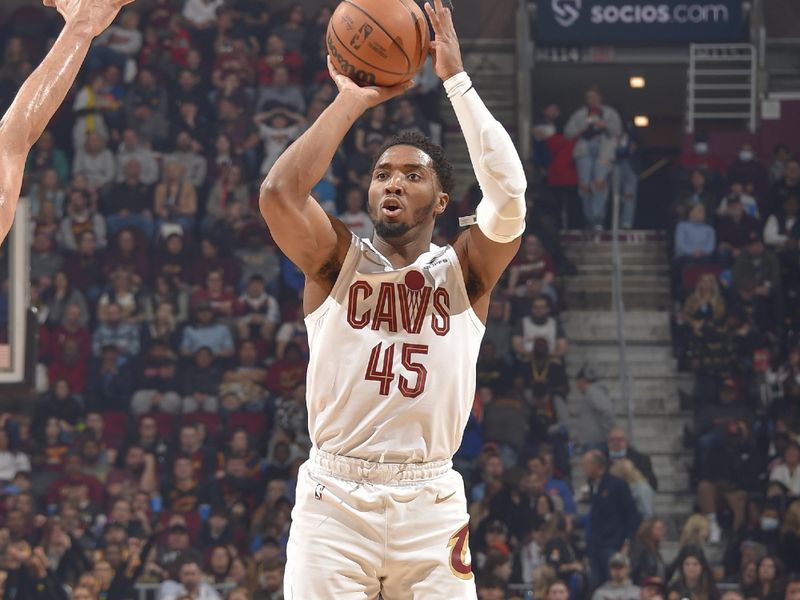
434, 18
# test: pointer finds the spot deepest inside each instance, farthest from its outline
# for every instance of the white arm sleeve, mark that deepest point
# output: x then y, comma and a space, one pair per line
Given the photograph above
501, 212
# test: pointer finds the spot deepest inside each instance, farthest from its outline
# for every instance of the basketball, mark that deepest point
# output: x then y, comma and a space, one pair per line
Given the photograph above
378, 42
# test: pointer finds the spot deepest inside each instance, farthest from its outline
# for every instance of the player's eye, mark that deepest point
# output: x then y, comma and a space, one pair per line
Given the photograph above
414, 177
381, 175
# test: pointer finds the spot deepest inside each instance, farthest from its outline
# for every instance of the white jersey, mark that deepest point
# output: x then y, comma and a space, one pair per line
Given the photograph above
391, 376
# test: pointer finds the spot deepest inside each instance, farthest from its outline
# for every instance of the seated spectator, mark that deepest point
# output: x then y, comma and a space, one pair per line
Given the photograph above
214, 259
788, 472
175, 199
228, 190
693, 578
50, 189
164, 291
222, 300
90, 107
750, 171
256, 257
184, 492
128, 203
618, 449
12, 461
354, 215
158, 386
645, 553
190, 584
734, 469
540, 324
759, 267
532, 261
788, 185
260, 312
146, 104
555, 487
734, 230
281, 93
694, 238
45, 260
126, 255
293, 331
110, 382
408, 119
116, 331
245, 381
84, 268
132, 149
276, 55
46, 156
620, 585
702, 157
70, 368
163, 328
491, 371
95, 161
122, 294
201, 381
59, 404
72, 327
372, 128
173, 260
80, 218
748, 202
277, 128
62, 295
770, 578
206, 332
74, 477
187, 156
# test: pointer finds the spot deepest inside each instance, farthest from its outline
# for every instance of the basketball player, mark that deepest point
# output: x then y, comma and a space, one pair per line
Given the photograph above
394, 325
44, 91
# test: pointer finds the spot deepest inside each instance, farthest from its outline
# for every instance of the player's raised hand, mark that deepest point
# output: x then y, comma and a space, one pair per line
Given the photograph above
367, 96
96, 15
445, 49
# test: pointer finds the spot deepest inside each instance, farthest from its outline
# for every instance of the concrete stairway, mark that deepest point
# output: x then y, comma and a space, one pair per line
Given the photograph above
490, 64
591, 327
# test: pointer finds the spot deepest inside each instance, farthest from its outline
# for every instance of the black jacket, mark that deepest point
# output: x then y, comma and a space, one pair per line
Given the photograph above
613, 518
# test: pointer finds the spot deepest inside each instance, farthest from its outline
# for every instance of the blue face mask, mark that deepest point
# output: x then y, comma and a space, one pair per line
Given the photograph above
769, 523
616, 454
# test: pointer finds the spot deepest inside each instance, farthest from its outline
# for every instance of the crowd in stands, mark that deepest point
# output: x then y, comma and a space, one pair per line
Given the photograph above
171, 422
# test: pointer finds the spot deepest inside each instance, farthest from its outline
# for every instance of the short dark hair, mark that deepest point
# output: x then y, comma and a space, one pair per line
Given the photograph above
441, 166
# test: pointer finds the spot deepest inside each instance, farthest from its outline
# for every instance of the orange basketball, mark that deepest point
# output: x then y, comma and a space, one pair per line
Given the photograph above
378, 42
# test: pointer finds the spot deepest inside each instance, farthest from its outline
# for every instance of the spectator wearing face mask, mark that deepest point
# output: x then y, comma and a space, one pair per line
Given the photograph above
702, 157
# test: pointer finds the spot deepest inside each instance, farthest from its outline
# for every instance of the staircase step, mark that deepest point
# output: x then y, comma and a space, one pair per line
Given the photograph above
645, 326
639, 299
608, 352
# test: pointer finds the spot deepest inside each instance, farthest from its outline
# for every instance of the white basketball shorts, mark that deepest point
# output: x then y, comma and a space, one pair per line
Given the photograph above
360, 529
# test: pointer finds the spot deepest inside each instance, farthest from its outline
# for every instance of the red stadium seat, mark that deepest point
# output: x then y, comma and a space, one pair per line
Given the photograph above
165, 424
254, 424
115, 428
691, 275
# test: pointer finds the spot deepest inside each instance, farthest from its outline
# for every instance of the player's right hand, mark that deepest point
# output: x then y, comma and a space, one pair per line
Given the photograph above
368, 96
95, 15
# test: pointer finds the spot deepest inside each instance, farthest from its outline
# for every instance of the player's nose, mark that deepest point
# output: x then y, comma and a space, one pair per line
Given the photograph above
393, 186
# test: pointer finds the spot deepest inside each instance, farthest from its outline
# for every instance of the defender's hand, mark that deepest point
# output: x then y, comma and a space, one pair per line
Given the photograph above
95, 15
366, 97
445, 49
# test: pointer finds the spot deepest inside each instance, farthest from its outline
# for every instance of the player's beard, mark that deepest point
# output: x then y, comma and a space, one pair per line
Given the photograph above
395, 229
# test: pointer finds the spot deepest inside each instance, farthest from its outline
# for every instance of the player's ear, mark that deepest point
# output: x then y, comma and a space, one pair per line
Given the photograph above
442, 200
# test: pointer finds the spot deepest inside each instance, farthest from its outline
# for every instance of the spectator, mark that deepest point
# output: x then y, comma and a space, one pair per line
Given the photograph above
190, 582
596, 127
201, 381
540, 324
129, 204
613, 519
645, 552
11, 460
175, 199
132, 149
45, 262
95, 161
749, 170
128, 256
643, 494
618, 449
80, 218
788, 473
595, 410
117, 45
110, 382
407, 119
158, 386
62, 295
777, 168
694, 239
770, 578
186, 155
789, 545
49, 190
277, 128
46, 156
788, 185
229, 200
115, 331
354, 216
737, 190
260, 312
734, 230
89, 108
619, 586
281, 93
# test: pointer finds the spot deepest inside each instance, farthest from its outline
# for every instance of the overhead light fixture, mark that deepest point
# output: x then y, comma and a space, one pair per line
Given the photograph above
637, 82
641, 121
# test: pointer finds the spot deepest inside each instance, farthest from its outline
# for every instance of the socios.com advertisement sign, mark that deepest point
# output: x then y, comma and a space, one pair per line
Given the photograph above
612, 21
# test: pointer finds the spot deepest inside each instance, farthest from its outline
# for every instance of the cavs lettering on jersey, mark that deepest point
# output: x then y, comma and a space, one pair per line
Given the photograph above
391, 376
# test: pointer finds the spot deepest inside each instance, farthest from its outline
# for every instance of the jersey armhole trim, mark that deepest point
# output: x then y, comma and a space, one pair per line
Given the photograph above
476, 321
350, 257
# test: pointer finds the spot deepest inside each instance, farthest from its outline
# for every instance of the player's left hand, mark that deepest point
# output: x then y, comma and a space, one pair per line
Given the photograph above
96, 15
445, 49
